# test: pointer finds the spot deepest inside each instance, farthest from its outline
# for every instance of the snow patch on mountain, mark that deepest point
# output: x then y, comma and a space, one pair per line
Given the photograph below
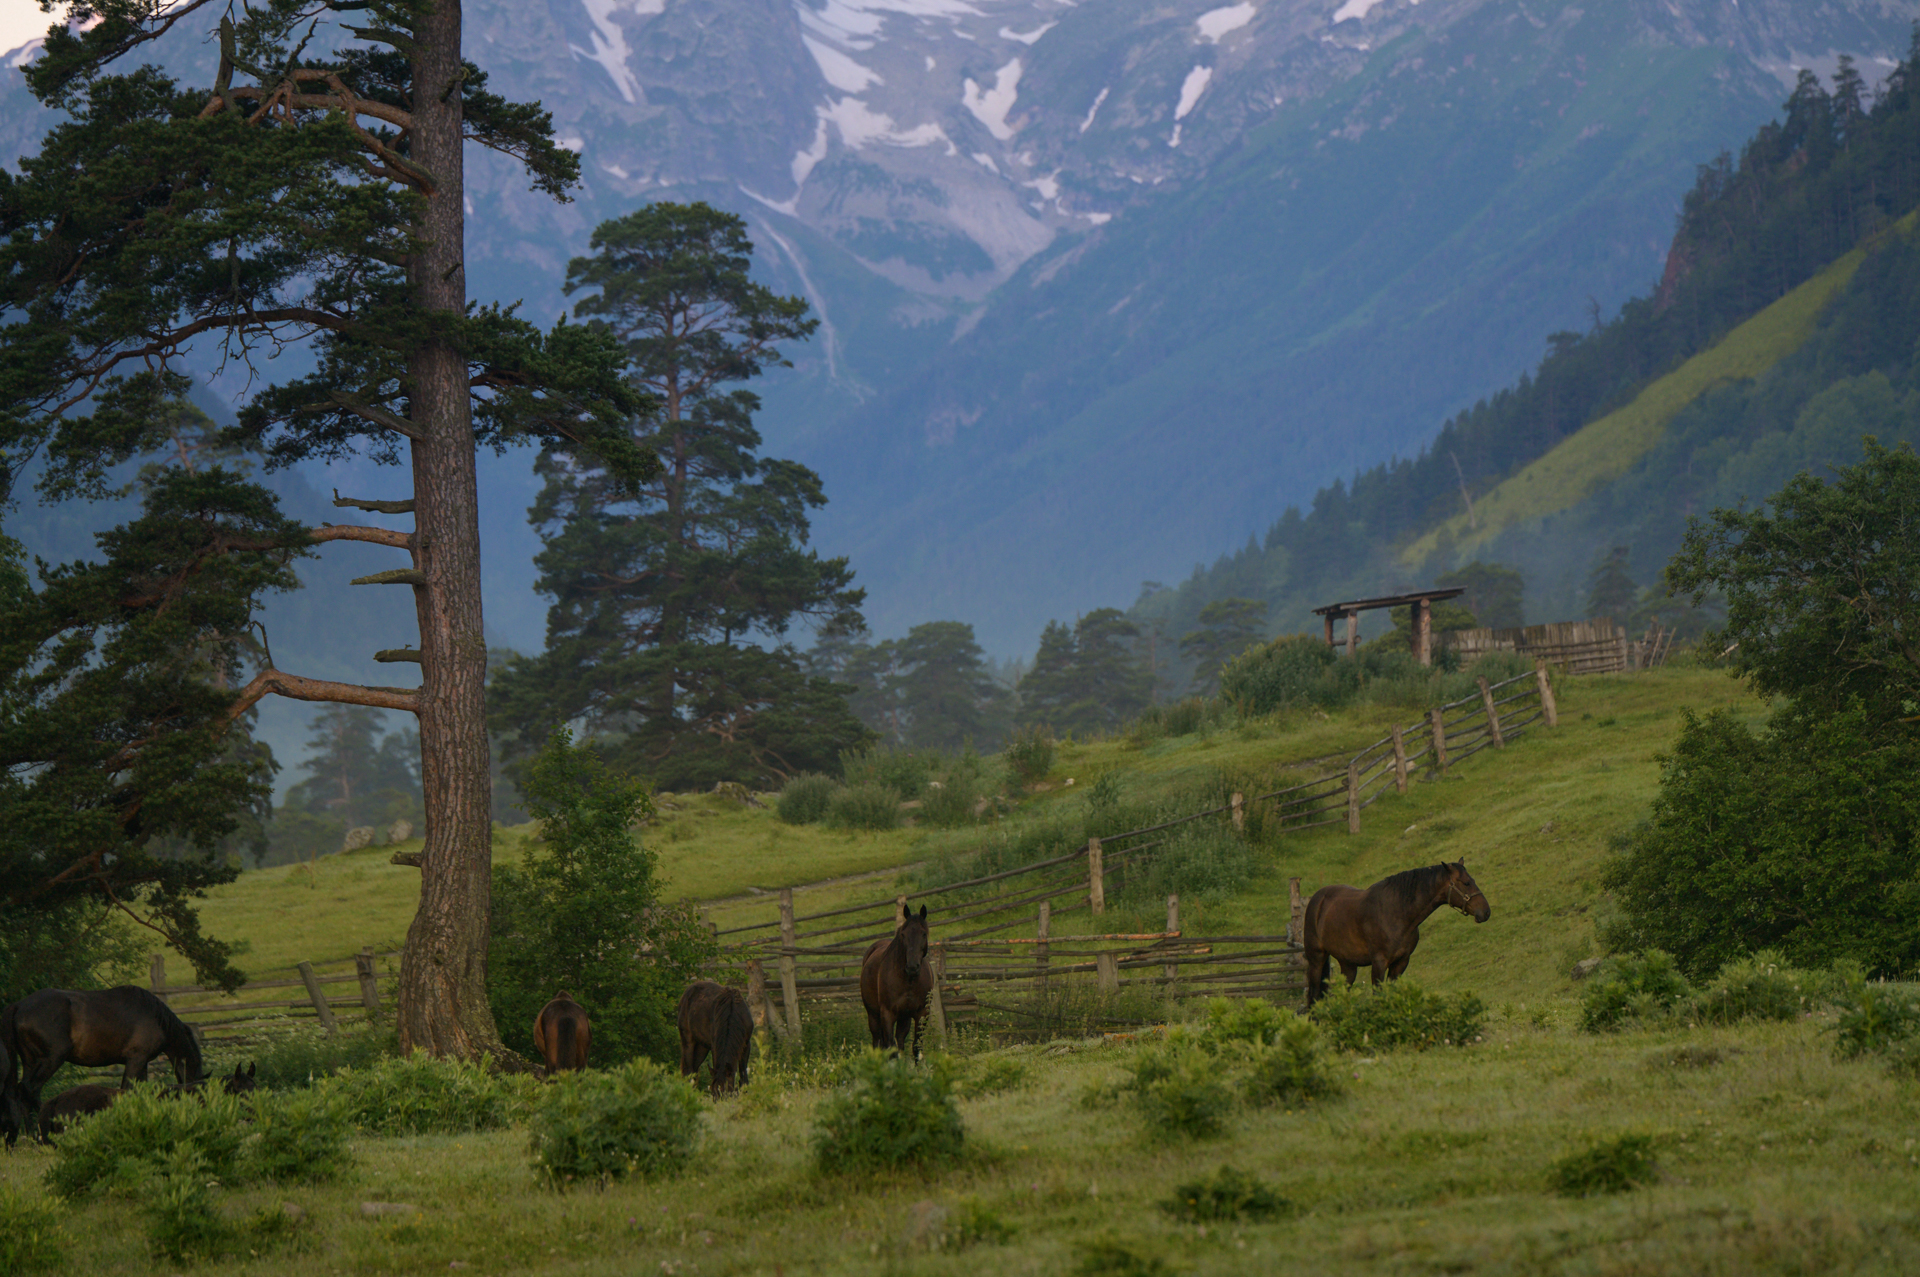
1190, 90
1094, 109
1214, 24
991, 106
1357, 9
803, 161
610, 41
1027, 37
855, 24
860, 124
841, 71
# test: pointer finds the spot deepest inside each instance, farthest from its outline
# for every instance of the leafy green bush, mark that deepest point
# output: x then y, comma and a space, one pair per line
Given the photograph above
145, 1126
865, 806
1253, 1020
1875, 1019
1223, 1197
805, 798
950, 802
1762, 987
185, 1225
299, 1135
1199, 862
596, 1127
307, 1055
1396, 1014
905, 772
1181, 1090
1291, 1069
1277, 675
31, 1237
1613, 1166
420, 1095
1639, 986
891, 1113
1028, 754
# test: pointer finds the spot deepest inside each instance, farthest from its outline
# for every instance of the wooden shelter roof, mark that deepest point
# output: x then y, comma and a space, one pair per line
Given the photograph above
1391, 600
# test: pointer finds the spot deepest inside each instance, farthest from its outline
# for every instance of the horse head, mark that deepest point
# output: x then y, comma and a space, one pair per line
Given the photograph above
912, 939
1464, 894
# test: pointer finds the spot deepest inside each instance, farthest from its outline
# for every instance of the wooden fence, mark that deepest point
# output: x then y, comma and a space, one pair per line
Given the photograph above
1576, 647
994, 935
257, 1007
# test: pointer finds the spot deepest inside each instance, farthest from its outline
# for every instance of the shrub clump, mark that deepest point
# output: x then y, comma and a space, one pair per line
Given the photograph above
299, 1136
1289, 1070
951, 802
1610, 1167
597, 1127
1878, 1019
890, 1113
868, 806
1181, 1090
905, 772
147, 1125
31, 1237
1398, 1014
1028, 754
420, 1095
1223, 1197
1639, 986
1762, 987
308, 1055
804, 799
185, 1225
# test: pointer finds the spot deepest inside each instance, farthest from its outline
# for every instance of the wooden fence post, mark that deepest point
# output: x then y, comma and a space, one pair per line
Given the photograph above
319, 998
1239, 805
1399, 761
1040, 958
759, 1004
1439, 740
899, 912
1296, 913
1353, 795
1493, 715
1109, 973
157, 976
937, 1001
1172, 970
1547, 707
369, 986
789, 991
1096, 877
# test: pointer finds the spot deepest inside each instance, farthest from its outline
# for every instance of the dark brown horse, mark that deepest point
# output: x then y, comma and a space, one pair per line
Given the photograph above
126, 1026
561, 1033
15, 1117
59, 1111
895, 979
715, 1018
1380, 926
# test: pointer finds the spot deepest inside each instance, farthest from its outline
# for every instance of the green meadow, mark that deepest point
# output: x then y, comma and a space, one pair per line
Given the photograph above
1770, 1154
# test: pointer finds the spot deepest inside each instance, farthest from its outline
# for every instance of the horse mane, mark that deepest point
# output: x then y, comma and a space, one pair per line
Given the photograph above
1413, 887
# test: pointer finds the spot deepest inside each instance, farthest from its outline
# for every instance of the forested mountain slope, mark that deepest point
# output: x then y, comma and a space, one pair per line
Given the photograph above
1783, 331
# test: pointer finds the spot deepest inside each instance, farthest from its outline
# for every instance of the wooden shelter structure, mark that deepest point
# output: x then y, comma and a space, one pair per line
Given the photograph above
1421, 601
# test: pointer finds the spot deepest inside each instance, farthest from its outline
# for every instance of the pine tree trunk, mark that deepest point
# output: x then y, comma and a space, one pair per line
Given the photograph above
443, 971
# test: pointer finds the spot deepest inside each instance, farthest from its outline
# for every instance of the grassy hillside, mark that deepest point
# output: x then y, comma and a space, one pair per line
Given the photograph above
1531, 821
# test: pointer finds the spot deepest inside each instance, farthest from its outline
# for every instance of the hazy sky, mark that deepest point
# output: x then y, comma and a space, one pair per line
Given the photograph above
21, 21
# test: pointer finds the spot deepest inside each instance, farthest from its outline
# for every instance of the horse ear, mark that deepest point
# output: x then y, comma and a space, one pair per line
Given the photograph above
923, 913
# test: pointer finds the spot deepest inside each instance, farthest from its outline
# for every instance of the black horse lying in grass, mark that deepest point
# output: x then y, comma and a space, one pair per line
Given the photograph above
57, 1113
126, 1026
895, 981
715, 1018
1380, 926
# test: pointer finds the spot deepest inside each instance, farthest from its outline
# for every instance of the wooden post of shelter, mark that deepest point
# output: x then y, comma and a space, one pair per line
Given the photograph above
1353, 633
1439, 740
1423, 631
157, 975
369, 984
1353, 796
1399, 761
1171, 970
1548, 709
1239, 805
318, 998
789, 989
1040, 955
1493, 715
1108, 971
936, 1001
1096, 878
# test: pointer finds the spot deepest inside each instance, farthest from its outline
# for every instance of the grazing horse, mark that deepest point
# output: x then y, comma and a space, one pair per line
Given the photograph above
561, 1033
1380, 926
126, 1026
895, 979
240, 1083
715, 1018
15, 1116
57, 1112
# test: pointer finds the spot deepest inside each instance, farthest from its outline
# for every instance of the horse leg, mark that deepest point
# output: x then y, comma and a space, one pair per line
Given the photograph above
1349, 970
1379, 969
1395, 968
877, 1029
1316, 975
689, 1056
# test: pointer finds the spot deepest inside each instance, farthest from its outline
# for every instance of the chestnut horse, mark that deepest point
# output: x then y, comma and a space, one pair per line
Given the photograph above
561, 1033
895, 979
715, 1018
1380, 926
127, 1026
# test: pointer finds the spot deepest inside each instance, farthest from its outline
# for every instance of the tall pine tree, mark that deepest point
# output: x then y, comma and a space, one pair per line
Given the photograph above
663, 595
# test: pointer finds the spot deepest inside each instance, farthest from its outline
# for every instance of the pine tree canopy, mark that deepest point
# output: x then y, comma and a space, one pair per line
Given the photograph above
1087, 679
1227, 628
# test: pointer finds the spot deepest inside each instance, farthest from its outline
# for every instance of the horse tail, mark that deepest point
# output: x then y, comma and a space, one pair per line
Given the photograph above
729, 1041
563, 1045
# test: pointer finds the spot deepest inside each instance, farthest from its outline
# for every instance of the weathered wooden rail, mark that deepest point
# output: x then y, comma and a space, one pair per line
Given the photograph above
251, 1011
